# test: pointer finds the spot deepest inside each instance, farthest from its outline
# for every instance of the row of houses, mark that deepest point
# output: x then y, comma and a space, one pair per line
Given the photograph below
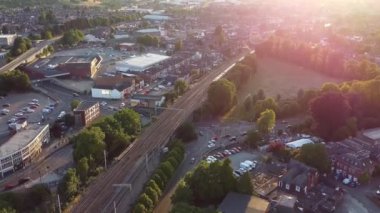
351, 158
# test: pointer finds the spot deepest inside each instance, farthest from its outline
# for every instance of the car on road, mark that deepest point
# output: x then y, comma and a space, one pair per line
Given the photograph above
192, 160
200, 133
75, 94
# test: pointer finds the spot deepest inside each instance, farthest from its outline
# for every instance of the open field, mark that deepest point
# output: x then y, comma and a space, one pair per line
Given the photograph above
276, 77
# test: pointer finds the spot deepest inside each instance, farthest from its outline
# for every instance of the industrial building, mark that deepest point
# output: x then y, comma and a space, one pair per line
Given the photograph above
7, 39
86, 112
78, 67
116, 86
23, 147
140, 63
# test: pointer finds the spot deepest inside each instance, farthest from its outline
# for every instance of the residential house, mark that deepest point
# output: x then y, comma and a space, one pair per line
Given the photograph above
299, 178
86, 112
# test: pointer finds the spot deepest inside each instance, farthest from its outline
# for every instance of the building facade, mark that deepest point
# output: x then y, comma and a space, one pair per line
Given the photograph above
86, 112
7, 40
22, 148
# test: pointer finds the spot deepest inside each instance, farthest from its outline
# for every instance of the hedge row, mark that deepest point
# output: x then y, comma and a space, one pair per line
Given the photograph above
155, 186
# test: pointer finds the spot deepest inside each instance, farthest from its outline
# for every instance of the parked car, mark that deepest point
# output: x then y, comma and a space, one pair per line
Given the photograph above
35, 100
244, 133
233, 138
75, 94
6, 105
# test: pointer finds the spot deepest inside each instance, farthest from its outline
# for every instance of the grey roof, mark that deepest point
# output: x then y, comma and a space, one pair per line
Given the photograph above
147, 97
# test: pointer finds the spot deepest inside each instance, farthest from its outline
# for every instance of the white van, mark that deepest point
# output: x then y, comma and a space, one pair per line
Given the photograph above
245, 166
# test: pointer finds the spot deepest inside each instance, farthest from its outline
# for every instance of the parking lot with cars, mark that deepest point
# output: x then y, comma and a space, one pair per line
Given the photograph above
29, 106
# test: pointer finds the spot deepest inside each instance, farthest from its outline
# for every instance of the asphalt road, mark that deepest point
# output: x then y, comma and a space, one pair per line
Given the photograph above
100, 195
32, 51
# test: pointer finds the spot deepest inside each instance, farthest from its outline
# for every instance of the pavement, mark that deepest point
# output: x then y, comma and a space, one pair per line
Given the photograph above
356, 200
55, 158
101, 196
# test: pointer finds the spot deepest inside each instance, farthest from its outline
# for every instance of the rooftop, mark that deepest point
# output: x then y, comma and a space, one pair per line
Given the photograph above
156, 17
140, 63
149, 30
7, 35
20, 139
241, 203
299, 143
85, 105
373, 134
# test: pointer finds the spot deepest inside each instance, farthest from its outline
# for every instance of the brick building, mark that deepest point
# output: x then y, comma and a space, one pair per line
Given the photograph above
86, 112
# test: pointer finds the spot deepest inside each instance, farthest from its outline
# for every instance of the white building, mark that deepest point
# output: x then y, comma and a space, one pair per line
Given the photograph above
151, 31
299, 143
156, 17
140, 63
22, 147
7, 39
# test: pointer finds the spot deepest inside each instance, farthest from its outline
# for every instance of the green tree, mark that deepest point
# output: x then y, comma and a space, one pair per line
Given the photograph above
180, 87
7, 210
183, 193
140, 208
315, 155
74, 104
69, 186
221, 96
186, 132
178, 45
115, 138
330, 111
129, 121
244, 184
152, 194
46, 34
153, 185
147, 202
253, 139
89, 143
266, 121
219, 34
72, 37
83, 169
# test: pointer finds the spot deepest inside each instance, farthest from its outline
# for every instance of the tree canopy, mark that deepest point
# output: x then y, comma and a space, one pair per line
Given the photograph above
315, 155
266, 121
221, 96
89, 143
129, 121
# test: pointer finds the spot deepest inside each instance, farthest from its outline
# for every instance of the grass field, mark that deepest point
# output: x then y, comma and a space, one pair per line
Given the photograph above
276, 77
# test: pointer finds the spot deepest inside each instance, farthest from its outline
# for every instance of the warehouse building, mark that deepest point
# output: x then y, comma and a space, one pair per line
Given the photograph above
22, 148
140, 63
78, 67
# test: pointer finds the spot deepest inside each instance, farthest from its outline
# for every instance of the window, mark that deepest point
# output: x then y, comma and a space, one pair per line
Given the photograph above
298, 189
287, 186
